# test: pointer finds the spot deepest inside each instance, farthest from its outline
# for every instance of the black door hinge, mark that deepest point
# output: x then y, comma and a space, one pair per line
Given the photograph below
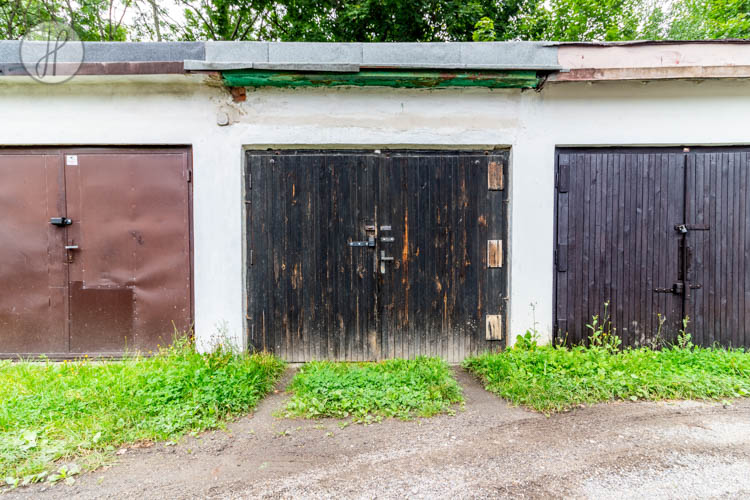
563, 175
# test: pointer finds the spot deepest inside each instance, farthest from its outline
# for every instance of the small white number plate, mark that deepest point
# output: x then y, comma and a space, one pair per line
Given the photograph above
71, 160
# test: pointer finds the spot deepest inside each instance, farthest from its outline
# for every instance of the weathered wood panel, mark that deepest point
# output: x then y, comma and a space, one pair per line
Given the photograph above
422, 287
618, 241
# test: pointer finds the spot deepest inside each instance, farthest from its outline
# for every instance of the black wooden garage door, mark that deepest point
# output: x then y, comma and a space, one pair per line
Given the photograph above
363, 255
654, 232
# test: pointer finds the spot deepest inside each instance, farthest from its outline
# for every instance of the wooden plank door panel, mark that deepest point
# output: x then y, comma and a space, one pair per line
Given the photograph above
310, 294
424, 288
719, 207
616, 243
438, 290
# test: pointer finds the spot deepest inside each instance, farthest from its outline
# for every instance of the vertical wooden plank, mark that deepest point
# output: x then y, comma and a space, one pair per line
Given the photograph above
627, 277
694, 211
385, 289
326, 223
562, 239
452, 290
409, 225
608, 234
602, 274
664, 252
308, 315
422, 254
293, 270
435, 240
581, 199
731, 290
715, 249
586, 285
621, 287
369, 195
724, 267
353, 219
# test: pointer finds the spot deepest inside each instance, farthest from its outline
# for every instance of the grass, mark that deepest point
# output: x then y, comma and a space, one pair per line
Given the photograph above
368, 392
550, 379
59, 418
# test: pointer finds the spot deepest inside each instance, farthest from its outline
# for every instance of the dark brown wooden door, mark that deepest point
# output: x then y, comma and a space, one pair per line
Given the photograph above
112, 274
719, 201
364, 255
656, 234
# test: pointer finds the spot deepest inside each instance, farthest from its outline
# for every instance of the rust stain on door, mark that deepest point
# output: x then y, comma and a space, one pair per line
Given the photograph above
116, 277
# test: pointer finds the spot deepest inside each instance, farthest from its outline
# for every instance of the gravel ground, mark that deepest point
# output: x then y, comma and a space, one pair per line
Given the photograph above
488, 449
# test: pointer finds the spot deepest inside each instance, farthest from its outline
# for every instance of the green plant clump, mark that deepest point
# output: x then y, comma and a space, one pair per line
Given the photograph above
556, 378
370, 391
59, 418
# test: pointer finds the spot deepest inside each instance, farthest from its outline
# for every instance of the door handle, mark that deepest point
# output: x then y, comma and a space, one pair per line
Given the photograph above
60, 221
71, 247
383, 259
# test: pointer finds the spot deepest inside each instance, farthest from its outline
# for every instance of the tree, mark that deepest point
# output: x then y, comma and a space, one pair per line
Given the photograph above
392, 20
706, 19
226, 19
91, 19
584, 20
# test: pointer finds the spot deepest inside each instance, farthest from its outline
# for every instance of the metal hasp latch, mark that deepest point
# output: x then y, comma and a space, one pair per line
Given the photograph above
684, 228
369, 243
677, 288
60, 221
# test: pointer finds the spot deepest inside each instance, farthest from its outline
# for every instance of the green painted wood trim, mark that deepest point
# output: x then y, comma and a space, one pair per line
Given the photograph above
382, 78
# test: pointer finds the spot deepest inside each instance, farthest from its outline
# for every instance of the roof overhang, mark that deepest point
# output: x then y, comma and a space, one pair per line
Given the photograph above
410, 65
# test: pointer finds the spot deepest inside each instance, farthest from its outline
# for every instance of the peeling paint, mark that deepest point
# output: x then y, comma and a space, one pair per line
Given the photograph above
383, 78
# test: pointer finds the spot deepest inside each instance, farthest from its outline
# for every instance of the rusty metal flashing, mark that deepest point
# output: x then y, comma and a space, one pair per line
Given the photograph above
383, 78
104, 68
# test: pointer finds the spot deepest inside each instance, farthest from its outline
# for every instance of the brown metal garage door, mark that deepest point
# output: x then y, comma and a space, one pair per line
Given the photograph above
656, 233
95, 254
362, 255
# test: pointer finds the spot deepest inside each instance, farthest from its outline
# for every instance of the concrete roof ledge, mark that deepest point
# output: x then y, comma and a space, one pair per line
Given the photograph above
343, 56
566, 61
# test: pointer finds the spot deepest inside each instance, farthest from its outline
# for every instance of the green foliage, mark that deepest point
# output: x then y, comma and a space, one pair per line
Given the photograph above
527, 341
226, 19
707, 19
82, 410
393, 20
550, 379
576, 20
92, 20
384, 20
602, 334
484, 30
369, 391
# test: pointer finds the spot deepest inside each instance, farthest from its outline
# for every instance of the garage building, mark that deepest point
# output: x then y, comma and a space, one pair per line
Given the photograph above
367, 201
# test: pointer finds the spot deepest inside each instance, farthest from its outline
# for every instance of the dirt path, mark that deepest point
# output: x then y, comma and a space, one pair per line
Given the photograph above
626, 450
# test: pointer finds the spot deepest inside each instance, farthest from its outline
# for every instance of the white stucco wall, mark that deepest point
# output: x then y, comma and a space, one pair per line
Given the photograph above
183, 110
